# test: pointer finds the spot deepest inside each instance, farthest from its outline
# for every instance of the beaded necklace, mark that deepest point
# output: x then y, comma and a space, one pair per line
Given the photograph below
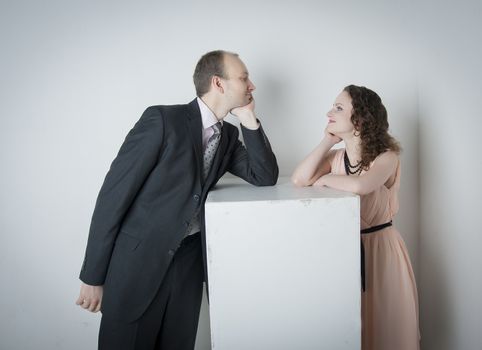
351, 169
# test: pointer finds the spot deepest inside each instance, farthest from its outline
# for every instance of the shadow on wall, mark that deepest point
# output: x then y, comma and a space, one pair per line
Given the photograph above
438, 315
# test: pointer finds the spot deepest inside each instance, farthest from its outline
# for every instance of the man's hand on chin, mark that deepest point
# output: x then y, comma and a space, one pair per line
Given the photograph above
246, 116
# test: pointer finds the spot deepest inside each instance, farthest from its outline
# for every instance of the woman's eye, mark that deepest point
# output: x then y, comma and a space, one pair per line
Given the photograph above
339, 108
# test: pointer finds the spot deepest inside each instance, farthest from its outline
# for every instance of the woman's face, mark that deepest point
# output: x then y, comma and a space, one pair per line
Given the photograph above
339, 117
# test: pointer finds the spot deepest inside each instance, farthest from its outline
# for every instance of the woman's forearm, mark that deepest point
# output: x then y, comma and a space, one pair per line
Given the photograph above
313, 166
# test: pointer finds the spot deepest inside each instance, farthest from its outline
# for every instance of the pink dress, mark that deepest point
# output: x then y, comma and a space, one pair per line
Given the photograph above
389, 302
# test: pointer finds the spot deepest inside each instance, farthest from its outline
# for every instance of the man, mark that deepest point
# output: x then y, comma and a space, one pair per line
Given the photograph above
143, 265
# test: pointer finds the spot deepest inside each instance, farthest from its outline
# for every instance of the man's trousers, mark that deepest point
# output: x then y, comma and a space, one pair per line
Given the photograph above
170, 322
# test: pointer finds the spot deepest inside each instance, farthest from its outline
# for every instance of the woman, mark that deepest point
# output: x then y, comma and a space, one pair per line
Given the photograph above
369, 166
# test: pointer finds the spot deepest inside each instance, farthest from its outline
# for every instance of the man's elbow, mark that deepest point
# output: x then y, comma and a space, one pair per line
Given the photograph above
270, 181
265, 179
273, 178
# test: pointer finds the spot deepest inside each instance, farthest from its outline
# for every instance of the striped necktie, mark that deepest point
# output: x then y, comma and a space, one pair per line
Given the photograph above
211, 148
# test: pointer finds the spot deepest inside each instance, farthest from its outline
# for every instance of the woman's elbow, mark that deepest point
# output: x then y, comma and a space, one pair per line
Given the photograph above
360, 189
299, 182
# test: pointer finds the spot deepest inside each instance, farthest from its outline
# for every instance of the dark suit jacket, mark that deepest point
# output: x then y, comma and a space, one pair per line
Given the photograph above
150, 194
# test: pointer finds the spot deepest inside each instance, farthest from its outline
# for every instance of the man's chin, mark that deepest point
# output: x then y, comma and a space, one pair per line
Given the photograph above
242, 104
247, 101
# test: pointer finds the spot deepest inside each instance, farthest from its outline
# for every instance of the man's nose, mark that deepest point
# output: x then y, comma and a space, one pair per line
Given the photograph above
251, 86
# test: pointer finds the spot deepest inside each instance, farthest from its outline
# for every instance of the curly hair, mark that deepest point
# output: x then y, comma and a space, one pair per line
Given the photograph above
370, 119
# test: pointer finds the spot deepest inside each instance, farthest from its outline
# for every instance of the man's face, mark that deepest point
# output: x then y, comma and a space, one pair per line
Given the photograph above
237, 86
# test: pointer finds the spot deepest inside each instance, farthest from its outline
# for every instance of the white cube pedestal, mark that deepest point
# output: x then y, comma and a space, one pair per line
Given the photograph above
283, 266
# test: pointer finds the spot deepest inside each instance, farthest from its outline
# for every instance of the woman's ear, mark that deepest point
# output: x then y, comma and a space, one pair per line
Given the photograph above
356, 129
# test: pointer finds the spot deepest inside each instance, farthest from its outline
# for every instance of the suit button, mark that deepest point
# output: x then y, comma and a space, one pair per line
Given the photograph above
171, 252
196, 197
186, 223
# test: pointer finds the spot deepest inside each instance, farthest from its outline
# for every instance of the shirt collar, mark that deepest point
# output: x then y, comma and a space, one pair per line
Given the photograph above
208, 117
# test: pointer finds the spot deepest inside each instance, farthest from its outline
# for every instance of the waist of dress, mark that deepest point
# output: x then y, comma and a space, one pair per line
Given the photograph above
376, 228
362, 247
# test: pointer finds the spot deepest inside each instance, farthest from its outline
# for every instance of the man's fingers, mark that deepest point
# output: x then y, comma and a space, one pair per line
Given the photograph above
93, 305
90, 297
80, 300
97, 309
85, 304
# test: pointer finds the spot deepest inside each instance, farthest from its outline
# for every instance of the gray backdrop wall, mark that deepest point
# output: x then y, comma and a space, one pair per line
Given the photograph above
76, 76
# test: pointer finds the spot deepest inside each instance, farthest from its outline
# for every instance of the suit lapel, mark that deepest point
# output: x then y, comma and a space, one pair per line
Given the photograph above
195, 132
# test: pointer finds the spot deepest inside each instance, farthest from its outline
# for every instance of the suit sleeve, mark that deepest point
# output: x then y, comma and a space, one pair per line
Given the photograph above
129, 170
255, 163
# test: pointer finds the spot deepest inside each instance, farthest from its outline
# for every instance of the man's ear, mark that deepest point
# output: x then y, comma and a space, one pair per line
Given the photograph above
217, 84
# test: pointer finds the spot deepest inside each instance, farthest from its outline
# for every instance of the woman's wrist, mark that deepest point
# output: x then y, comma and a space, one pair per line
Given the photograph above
327, 143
